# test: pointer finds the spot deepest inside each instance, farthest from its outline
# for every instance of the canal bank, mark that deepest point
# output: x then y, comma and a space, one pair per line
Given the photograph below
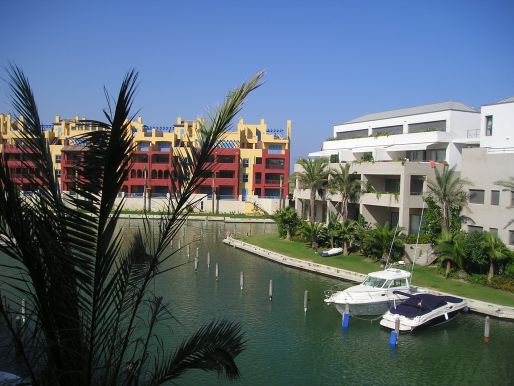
486, 308
226, 219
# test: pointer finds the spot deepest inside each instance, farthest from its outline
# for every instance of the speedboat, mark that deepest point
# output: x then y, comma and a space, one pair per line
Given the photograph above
422, 310
331, 252
375, 295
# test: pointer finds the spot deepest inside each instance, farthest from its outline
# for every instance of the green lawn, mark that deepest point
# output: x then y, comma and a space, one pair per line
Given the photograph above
423, 276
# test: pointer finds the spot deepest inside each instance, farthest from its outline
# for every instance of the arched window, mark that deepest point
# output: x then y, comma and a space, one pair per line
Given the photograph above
132, 173
139, 174
154, 174
159, 173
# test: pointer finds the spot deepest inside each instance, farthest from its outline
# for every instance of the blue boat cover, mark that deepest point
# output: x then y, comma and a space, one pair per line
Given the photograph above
421, 304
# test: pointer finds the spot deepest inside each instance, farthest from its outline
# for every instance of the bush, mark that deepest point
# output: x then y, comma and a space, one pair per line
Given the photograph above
475, 259
498, 282
423, 239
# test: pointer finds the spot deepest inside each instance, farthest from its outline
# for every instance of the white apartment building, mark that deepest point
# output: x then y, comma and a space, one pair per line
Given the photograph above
406, 145
491, 206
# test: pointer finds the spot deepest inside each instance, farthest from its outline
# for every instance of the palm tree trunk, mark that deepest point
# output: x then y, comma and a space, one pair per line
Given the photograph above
491, 272
312, 203
288, 234
344, 208
345, 248
446, 218
448, 268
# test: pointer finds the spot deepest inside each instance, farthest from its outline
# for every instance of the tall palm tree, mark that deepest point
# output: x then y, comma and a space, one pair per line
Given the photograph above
450, 250
346, 186
448, 190
495, 250
92, 313
314, 175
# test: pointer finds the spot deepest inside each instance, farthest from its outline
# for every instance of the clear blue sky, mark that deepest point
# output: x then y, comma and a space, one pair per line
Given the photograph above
326, 61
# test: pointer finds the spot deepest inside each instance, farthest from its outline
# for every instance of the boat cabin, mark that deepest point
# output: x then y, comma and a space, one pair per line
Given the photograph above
388, 278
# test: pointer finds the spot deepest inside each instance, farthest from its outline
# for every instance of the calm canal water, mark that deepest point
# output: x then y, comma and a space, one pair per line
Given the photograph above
288, 347
285, 346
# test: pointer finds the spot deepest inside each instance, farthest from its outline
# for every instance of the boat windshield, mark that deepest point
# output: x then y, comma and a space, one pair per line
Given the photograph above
374, 282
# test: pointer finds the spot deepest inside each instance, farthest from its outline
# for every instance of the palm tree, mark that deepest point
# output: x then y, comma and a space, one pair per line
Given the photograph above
311, 232
384, 236
495, 250
288, 219
314, 176
333, 228
448, 190
450, 249
348, 187
347, 232
93, 316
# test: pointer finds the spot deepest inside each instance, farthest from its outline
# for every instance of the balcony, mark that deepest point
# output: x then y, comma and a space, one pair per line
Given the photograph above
381, 199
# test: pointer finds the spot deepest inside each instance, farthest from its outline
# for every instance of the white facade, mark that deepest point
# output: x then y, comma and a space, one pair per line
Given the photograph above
404, 142
436, 132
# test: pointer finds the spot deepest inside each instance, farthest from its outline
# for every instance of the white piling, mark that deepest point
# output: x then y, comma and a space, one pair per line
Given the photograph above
188, 252
270, 291
197, 252
178, 243
241, 280
208, 260
305, 300
196, 264
217, 272
487, 329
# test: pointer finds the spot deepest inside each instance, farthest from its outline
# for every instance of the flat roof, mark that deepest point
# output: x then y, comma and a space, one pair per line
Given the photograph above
501, 101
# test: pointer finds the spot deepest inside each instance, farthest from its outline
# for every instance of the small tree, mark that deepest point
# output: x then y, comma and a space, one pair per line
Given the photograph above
347, 232
333, 228
448, 191
347, 187
287, 221
312, 233
450, 250
378, 243
314, 176
496, 251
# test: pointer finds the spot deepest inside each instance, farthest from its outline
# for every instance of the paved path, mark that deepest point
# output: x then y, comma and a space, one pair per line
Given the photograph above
479, 306
202, 218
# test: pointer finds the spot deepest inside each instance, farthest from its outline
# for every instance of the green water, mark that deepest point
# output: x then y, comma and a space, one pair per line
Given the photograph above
288, 347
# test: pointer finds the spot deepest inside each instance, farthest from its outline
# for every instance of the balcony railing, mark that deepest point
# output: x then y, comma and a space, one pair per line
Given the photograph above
475, 133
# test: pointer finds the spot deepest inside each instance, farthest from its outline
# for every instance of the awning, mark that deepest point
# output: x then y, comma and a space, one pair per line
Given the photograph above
323, 153
410, 146
365, 149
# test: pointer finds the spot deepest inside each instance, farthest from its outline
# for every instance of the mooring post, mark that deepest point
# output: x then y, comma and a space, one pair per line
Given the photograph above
217, 272
188, 252
346, 316
178, 243
270, 291
393, 338
242, 280
235, 228
196, 264
208, 260
487, 329
197, 252
305, 300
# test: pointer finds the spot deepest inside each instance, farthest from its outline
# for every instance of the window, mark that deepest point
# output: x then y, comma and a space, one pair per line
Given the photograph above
58, 173
474, 228
258, 160
416, 155
489, 125
275, 163
398, 283
58, 159
476, 196
511, 198
427, 126
392, 185
511, 237
246, 162
416, 185
436, 155
275, 149
258, 191
495, 197
395, 216
245, 177
414, 221
494, 231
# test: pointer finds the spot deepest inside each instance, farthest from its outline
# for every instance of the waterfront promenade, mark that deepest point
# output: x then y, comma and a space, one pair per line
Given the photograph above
474, 305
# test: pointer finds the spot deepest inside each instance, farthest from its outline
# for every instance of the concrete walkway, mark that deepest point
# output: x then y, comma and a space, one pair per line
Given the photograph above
474, 305
203, 218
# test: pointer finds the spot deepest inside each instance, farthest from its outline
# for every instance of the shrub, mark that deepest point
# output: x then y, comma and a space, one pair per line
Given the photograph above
475, 259
423, 239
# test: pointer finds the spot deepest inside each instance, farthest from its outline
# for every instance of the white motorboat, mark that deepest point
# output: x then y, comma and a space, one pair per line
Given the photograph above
422, 310
375, 295
331, 252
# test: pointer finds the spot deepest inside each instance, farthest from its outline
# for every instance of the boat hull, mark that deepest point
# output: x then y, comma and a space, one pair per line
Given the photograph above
366, 309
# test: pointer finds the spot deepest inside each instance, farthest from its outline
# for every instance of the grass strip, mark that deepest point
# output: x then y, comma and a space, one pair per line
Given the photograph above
423, 276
